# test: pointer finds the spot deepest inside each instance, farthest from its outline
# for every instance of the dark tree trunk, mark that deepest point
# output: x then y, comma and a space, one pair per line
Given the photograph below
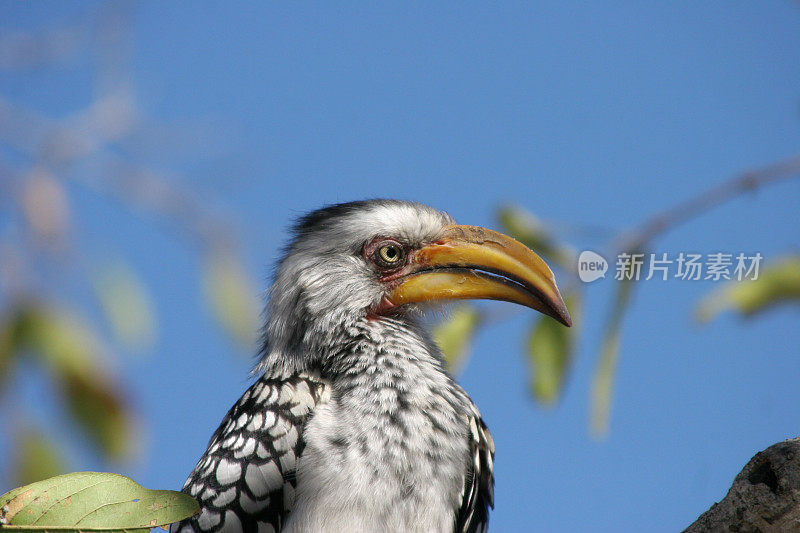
765, 496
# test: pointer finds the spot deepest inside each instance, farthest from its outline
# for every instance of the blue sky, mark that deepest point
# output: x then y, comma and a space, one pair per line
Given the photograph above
587, 115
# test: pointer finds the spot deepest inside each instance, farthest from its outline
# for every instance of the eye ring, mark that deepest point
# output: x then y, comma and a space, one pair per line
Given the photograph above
390, 253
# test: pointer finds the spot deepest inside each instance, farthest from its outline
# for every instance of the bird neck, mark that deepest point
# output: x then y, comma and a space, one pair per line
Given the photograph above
335, 345
383, 345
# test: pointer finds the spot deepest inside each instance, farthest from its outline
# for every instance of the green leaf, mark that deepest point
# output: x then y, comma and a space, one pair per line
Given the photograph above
92, 501
454, 334
59, 338
37, 458
603, 382
97, 405
9, 343
550, 348
73, 355
528, 230
778, 283
232, 299
127, 306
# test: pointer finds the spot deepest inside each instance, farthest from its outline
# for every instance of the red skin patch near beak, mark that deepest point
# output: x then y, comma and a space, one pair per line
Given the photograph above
378, 312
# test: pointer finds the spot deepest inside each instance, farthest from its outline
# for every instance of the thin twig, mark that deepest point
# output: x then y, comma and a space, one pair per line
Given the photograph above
685, 211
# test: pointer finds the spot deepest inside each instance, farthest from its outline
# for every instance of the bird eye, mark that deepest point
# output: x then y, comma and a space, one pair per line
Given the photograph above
390, 253
386, 254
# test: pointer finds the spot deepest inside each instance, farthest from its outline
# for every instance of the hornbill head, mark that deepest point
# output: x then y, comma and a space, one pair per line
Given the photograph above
384, 258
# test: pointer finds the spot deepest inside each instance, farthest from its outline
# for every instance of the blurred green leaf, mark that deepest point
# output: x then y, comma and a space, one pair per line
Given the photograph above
101, 411
73, 355
550, 349
454, 334
603, 382
232, 299
37, 458
528, 230
127, 306
9, 341
59, 338
92, 501
778, 283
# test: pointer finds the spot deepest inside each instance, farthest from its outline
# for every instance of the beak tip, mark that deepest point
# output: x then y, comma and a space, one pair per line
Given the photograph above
561, 313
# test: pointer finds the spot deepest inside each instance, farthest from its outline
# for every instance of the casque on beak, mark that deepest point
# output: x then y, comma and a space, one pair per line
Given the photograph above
470, 262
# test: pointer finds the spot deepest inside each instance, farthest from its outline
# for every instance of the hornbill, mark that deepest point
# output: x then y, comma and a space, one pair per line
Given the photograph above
354, 423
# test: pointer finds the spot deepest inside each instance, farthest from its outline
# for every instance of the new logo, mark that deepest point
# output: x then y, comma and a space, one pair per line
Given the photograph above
591, 266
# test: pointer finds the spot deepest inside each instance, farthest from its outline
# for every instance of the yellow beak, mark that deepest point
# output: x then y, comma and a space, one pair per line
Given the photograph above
470, 262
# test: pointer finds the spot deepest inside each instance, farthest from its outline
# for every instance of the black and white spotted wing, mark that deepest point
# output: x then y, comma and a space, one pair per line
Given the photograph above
478, 495
245, 481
